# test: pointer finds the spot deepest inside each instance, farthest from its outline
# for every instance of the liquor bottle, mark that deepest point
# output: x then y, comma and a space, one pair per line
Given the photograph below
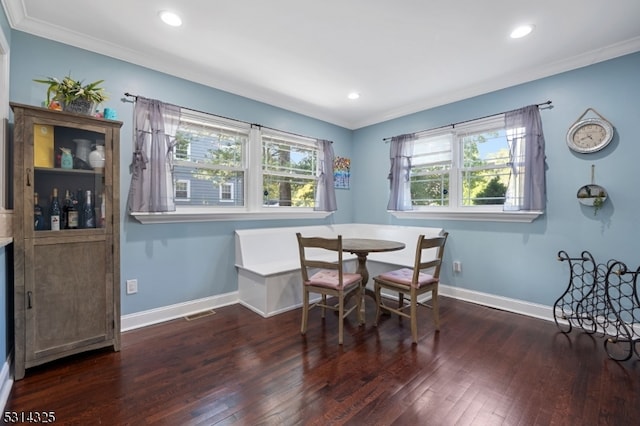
88, 214
69, 212
77, 202
103, 211
54, 211
38, 217
65, 208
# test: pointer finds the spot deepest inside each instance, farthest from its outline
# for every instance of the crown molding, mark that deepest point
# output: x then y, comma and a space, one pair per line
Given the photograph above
505, 81
19, 20
15, 11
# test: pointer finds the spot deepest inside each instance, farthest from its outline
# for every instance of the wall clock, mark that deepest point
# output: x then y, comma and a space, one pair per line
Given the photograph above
589, 135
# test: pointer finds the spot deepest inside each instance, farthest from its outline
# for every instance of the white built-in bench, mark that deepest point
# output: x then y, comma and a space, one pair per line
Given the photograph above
268, 261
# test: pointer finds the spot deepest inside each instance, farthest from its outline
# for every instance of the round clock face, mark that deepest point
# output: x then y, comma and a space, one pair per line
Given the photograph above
589, 135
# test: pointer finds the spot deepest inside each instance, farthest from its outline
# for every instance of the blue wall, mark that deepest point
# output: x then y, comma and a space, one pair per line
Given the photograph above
180, 262
173, 263
519, 260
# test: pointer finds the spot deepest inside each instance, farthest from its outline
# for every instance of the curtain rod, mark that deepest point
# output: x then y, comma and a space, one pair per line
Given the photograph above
453, 125
135, 98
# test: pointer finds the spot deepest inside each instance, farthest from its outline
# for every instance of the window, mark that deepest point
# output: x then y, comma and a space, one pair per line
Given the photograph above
462, 167
485, 168
289, 170
206, 167
182, 150
431, 165
472, 170
226, 192
211, 165
182, 189
208, 154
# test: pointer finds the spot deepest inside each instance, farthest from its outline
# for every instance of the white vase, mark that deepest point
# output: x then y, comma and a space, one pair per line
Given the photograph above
96, 158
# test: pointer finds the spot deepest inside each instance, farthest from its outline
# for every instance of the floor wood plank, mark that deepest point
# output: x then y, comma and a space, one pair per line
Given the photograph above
485, 367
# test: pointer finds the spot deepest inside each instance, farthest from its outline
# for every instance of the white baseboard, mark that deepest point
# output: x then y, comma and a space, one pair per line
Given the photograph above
506, 304
171, 312
179, 310
6, 382
312, 300
268, 314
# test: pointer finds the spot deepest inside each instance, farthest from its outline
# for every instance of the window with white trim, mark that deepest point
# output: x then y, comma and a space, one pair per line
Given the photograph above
466, 167
228, 164
182, 188
226, 192
289, 170
209, 152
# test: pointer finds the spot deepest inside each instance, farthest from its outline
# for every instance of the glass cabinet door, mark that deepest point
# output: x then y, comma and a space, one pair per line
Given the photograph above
66, 257
68, 178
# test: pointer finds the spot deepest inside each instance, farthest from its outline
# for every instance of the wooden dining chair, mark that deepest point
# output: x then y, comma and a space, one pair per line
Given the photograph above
324, 275
413, 283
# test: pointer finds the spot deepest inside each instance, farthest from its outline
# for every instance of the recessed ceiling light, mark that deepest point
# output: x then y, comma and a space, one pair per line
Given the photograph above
521, 31
170, 18
353, 95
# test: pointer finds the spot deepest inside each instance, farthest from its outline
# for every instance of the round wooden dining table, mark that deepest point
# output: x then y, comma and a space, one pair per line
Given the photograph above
361, 247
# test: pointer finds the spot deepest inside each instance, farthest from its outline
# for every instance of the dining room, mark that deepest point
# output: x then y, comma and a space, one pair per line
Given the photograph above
211, 330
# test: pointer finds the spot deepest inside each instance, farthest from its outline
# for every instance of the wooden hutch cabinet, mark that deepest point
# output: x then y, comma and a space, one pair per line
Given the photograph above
66, 281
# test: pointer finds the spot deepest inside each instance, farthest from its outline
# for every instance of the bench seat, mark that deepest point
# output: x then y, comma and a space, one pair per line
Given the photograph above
268, 263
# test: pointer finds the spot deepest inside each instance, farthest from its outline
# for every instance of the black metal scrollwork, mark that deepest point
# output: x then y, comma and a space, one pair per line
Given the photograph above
622, 297
601, 298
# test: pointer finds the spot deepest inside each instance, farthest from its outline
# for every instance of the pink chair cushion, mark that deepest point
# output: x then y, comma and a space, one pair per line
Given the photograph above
329, 278
405, 275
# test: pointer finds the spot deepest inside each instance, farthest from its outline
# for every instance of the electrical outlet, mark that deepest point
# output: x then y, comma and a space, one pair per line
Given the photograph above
132, 286
457, 266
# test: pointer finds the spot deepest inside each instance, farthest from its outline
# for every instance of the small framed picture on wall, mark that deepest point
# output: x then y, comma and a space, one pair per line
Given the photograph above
341, 172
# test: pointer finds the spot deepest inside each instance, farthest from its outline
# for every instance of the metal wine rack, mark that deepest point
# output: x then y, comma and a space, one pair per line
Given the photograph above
601, 298
622, 297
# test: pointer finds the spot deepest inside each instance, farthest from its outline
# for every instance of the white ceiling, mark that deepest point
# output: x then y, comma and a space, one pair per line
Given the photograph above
402, 56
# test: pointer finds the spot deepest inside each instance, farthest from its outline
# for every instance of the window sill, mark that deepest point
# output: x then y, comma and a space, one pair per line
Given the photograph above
199, 215
482, 216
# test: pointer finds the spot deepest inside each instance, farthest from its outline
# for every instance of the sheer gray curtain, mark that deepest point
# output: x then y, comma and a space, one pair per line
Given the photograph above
151, 187
400, 154
527, 183
325, 199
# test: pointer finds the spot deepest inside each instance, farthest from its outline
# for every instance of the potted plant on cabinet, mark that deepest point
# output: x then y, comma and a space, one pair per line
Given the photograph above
72, 95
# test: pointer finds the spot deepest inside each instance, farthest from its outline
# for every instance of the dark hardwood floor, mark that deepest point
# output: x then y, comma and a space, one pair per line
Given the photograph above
485, 367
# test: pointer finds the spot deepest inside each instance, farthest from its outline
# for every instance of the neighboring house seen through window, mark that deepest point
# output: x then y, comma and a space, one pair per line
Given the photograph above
209, 152
212, 158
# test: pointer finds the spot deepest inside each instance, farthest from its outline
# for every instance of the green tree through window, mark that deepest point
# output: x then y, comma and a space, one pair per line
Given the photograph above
461, 167
493, 193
